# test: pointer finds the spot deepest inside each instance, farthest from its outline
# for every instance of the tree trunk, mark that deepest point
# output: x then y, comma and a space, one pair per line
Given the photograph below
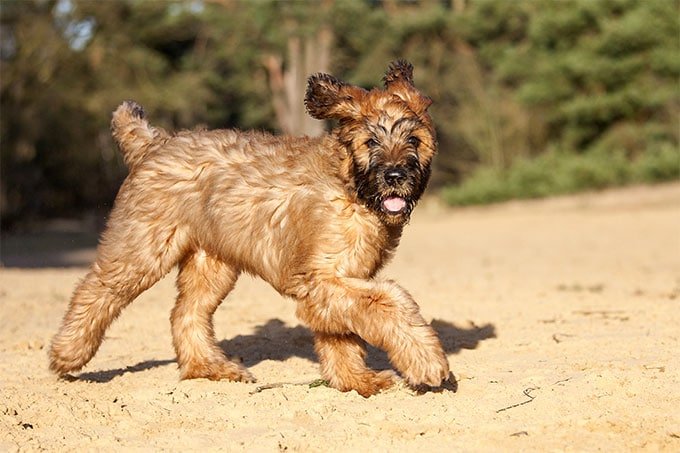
288, 85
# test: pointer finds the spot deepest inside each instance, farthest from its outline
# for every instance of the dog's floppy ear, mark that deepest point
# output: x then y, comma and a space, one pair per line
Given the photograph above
399, 81
328, 97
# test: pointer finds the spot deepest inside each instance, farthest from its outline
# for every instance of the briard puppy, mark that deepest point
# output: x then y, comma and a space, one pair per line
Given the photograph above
317, 218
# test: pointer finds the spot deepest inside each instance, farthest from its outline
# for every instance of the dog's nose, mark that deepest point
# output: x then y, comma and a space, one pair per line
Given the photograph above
394, 176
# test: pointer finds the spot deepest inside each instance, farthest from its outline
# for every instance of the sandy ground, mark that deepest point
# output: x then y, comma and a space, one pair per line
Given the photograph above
561, 321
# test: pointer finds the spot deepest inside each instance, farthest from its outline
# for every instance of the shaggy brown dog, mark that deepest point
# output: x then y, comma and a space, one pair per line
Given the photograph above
315, 217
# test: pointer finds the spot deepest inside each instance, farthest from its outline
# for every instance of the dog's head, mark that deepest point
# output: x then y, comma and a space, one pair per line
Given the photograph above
387, 134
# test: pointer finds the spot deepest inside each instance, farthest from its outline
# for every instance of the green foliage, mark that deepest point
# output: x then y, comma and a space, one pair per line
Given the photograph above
186, 67
597, 78
590, 65
555, 173
510, 80
659, 164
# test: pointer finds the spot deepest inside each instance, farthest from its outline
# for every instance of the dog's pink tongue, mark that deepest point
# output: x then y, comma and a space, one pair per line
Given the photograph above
394, 204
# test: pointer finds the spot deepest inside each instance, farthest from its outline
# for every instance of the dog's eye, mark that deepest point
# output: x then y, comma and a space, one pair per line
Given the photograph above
371, 143
413, 141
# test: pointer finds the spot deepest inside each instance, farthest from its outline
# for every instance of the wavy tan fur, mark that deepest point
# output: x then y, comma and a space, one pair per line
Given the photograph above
317, 218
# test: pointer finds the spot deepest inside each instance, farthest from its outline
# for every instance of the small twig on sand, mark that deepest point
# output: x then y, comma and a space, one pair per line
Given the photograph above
277, 385
527, 393
558, 337
617, 315
563, 380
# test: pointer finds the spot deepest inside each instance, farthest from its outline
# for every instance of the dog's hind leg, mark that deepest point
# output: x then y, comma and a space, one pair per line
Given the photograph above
203, 283
343, 366
131, 258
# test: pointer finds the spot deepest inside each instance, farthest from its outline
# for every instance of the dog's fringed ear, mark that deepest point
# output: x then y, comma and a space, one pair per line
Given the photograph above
328, 97
400, 70
399, 81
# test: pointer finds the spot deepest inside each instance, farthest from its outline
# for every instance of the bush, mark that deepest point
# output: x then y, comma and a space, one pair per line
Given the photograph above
660, 164
555, 173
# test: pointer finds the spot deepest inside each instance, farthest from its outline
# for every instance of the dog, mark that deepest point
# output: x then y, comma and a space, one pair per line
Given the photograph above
316, 218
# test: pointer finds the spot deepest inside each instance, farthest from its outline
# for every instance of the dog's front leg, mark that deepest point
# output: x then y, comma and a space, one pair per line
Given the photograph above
343, 366
383, 314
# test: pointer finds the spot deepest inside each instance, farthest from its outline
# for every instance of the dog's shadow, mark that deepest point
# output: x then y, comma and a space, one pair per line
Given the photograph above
108, 375
276, 341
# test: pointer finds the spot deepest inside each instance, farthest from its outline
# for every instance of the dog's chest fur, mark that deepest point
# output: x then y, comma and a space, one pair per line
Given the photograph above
362, 244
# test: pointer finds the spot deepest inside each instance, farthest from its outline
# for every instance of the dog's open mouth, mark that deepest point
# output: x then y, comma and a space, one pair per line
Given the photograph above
394, 205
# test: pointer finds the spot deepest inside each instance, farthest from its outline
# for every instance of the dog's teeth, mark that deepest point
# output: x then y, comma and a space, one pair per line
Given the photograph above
394, 204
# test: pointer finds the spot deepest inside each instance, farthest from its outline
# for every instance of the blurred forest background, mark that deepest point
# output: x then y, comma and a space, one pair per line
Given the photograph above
531, 97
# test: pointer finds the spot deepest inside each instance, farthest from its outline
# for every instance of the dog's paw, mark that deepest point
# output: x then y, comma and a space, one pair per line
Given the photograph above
217, 371
367, 383
428, 366
375, 382
448, 384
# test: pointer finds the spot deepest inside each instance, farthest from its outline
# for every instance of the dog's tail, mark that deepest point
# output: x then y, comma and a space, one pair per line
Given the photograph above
132, 132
